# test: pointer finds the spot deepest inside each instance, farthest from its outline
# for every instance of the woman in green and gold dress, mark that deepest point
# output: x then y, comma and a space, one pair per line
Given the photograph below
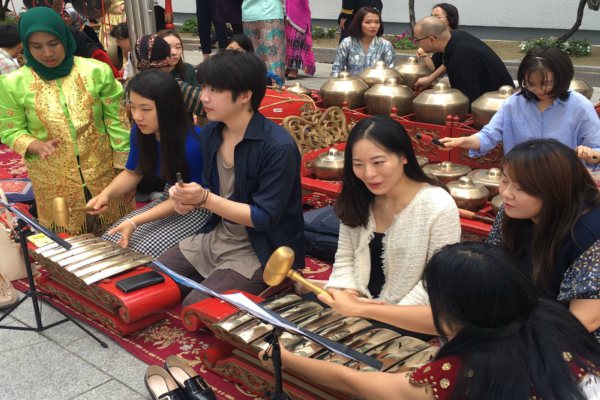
62, 113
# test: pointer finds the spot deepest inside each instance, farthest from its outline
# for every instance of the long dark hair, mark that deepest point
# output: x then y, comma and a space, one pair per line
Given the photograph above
550, 171
173, 124
179, 67
542, 59
511, 342
355, 28
355, 199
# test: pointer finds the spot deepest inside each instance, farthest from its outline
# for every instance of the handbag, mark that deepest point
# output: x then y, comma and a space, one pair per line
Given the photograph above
12, 264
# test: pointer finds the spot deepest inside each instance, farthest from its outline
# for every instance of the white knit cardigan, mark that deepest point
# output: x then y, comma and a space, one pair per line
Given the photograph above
429, 222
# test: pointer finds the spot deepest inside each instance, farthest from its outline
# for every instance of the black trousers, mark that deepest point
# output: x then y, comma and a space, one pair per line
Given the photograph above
205, 14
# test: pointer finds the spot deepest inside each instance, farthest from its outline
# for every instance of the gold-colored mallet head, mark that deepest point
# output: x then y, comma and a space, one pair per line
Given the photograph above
279, 267
61, 211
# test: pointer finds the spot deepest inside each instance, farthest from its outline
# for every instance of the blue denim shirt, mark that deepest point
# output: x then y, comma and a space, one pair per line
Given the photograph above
573, 122
267, 177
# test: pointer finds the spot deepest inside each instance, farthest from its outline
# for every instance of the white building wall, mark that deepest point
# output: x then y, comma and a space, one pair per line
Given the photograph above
540, 14
547, 14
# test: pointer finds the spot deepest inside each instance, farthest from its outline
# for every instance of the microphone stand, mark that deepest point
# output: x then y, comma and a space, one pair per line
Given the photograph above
24, 224
273, 340
279, 325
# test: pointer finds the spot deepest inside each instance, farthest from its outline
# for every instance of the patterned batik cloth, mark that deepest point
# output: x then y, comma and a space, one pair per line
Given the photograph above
582, 279
81, 109
298, 49
268, 38
155, 237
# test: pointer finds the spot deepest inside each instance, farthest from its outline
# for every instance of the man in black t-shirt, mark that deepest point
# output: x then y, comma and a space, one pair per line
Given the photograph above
349, 8
472, 66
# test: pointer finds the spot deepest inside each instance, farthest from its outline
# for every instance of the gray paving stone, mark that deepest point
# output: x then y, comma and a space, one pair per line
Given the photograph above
63, 334
114, 361
68, 332
11, 340
111, 390
46, 371
25, 313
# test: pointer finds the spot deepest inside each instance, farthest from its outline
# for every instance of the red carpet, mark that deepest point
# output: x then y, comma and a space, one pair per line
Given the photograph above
11, 164
154, 343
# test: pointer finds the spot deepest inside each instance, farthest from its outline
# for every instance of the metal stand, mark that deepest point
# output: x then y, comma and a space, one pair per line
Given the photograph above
33, 293
273, 339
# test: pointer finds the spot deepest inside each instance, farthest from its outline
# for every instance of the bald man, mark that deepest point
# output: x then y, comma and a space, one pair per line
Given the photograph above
472, 66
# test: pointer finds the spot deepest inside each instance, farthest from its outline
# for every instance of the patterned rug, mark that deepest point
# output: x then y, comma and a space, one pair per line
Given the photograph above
11, 164
155, 343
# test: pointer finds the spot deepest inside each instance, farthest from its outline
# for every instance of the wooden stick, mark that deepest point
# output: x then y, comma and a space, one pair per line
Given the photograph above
474, 216
81, 209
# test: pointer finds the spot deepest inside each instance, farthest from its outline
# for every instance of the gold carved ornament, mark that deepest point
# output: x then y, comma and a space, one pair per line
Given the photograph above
316, 129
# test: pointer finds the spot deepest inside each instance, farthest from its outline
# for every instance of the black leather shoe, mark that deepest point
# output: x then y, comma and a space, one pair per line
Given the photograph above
193, 385
161, 385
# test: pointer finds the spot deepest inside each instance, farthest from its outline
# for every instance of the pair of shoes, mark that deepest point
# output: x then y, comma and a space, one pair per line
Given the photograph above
194, 386
178, 381
161, 385
291, 74
8, 294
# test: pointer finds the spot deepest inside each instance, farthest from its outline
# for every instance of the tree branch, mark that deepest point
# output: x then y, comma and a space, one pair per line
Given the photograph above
577, 23
411, 16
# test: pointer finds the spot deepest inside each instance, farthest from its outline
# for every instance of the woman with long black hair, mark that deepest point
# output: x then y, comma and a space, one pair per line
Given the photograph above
506, 341
550, 222
163, 142
393, 216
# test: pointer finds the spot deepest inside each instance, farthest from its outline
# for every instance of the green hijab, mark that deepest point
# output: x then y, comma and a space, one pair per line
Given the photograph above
43, 19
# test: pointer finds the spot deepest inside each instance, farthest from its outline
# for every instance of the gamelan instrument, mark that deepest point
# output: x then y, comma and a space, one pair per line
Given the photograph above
246, 337
86, 275
90, 260
279, 267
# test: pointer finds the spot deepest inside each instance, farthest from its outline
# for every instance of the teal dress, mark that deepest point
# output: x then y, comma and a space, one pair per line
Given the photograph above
189, 75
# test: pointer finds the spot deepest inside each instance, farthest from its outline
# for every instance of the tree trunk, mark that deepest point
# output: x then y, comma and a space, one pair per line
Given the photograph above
411, 16
577, 23
3, 10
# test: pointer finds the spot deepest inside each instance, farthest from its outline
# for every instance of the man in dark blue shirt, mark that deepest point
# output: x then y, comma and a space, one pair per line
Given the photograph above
250, 182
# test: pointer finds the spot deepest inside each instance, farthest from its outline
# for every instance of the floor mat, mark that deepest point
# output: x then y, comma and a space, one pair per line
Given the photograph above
168, 336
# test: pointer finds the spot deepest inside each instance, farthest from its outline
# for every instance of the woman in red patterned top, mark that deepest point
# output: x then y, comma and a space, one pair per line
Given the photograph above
506, 341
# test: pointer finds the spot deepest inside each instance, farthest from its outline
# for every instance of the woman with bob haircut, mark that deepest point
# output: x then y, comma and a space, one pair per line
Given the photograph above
164, 142
506, 341
544, 108
364, 45
393, 216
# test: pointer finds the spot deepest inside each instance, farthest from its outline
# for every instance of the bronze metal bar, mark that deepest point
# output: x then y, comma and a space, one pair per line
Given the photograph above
114, 270
94, 259
72, 239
